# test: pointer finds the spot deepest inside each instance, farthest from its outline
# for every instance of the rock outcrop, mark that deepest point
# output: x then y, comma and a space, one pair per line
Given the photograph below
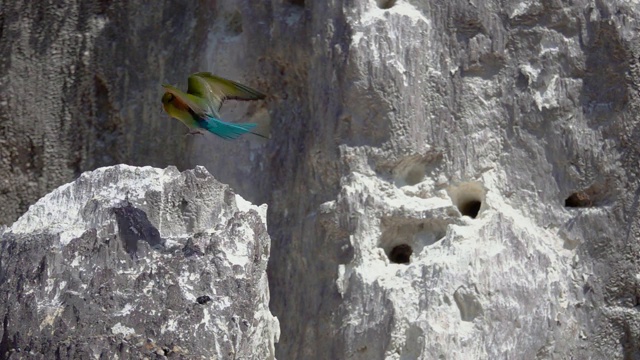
130, 262
467, 183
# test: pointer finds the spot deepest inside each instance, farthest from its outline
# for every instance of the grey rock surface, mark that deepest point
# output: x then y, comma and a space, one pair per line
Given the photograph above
402, 117
80, 87
129, 262
391, 120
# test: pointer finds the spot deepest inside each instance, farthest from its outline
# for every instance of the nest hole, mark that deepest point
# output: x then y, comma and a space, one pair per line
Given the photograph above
203, 299
409, 173
469, 198
470, 208
578, 199
598, 194
401, 254
401, 238
386, 4
414, 169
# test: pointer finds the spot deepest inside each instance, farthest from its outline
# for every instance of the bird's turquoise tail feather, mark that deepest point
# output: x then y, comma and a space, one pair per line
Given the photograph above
225, 130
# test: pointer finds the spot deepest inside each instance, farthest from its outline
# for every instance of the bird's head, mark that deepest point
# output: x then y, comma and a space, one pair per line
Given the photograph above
169, 104
175, 105
167, 98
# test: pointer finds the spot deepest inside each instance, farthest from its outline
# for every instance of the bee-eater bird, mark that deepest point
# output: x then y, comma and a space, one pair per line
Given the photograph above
199, 107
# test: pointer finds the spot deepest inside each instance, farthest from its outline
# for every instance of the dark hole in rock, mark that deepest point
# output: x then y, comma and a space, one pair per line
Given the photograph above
203, 299
522, 81
469, 198
470, 208
401, 254
386, 4
578, 199
297, 2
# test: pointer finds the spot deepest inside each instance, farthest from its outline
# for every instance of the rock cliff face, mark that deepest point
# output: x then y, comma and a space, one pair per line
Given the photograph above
131, 262
462, 180
79, 89
445, 179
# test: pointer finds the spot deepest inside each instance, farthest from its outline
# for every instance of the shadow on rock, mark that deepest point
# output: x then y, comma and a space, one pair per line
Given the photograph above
133, 226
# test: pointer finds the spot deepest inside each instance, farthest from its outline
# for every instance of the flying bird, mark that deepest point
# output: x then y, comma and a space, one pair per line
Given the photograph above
199, 107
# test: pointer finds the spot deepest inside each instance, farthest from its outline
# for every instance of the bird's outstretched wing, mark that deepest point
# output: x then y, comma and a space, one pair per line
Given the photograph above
196, 104
216, 90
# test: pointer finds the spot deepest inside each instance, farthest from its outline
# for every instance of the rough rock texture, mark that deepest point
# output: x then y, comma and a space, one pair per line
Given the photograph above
130, 262
390, 119
80, 88
410, 114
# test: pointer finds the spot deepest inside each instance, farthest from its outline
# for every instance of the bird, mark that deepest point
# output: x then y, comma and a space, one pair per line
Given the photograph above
199, 107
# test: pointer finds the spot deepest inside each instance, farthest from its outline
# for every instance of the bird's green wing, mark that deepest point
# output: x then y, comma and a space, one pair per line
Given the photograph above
198, 105
216, 90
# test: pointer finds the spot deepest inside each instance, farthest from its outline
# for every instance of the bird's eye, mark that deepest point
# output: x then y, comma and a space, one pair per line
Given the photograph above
167, 97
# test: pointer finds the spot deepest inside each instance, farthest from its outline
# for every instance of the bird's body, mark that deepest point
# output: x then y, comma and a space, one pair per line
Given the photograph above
199, 107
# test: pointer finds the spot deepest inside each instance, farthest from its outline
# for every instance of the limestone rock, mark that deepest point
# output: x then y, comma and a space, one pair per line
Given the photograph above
491, 144
466, 185
128, 262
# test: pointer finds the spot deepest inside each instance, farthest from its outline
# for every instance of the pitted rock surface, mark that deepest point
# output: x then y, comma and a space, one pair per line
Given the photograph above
449, 179
118, 263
